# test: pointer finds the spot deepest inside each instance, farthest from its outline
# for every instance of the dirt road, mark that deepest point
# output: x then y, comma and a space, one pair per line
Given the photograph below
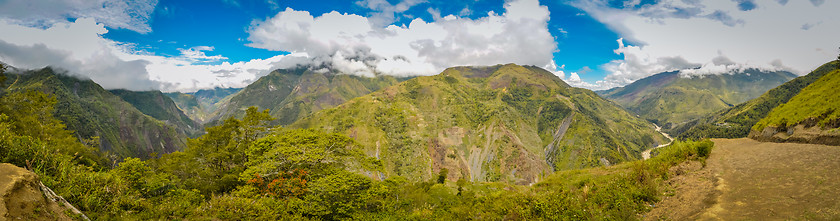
750, 180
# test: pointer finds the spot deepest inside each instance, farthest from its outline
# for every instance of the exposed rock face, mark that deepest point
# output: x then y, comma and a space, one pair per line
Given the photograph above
800, 133
24, 197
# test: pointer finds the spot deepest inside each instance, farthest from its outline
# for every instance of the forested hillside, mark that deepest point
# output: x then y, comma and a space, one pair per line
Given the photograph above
161, 107
291, 94
503, 123
737, 121
243, 170
97, 116
671, 99
201, 105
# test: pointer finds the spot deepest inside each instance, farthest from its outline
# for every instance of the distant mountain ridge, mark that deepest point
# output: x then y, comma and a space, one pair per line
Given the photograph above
291, 94
201, 105
91, 111
737, 121
506, 123
161, 107
670, 99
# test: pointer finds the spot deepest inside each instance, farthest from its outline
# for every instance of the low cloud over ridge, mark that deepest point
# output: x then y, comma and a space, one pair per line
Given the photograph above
354, 44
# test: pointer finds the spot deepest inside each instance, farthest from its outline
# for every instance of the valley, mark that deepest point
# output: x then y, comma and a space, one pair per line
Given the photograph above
395, 110
646, 153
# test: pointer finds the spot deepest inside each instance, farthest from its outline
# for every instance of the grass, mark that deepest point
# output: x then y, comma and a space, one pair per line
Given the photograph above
496, 121
818, 101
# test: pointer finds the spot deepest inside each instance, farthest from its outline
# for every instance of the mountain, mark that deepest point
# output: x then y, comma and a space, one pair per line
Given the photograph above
161, 107
506, 123
201, 104
670, 99
91, 111
812, 116
738, 120
291, 94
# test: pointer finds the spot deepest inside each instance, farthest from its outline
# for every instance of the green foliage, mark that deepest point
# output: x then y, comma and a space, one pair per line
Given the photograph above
303, 151
313, 175
670, 100
441, 177
216, 159
161, 107
739, 120
497, 120
818, 102
2, 75
92, 112
293, 94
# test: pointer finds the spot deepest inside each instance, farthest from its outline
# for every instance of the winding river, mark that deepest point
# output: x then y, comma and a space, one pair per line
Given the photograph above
646, 153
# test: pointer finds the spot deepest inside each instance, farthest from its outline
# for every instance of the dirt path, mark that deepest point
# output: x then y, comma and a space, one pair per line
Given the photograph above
750, 180
646, 153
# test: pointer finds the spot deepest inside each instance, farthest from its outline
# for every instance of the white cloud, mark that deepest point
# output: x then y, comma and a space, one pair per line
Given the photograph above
119, 14
343, 42
356, 44
76, 47
197, 55
673, 35
79, 48
384, 12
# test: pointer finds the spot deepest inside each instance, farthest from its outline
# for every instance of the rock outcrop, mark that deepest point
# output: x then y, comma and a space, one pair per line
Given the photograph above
24, 197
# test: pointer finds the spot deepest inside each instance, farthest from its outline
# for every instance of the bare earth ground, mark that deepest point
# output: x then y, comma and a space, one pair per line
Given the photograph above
749, 180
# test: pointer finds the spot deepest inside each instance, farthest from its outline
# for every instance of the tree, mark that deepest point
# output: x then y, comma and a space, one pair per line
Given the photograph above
442, 175
316, 152
217, 158
2, 75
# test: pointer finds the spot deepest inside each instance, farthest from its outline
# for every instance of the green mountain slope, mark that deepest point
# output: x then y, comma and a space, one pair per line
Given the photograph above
161, 107
91, 111
738, 120
812, 116
291, 94
670, 99
504, 123
201, 104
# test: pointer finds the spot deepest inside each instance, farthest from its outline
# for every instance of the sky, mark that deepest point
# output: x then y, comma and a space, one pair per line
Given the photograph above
186, 45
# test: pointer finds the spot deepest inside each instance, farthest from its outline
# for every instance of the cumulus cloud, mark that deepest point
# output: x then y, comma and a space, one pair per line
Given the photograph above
674, 35
119, 14
87, 55
197, 55
79, 48
384, 12
333, 41
356, 45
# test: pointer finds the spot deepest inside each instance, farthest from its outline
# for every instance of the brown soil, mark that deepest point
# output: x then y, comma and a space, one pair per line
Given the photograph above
22, 197
749, 180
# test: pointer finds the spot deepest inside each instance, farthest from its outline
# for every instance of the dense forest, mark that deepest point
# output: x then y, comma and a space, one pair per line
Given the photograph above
243, 169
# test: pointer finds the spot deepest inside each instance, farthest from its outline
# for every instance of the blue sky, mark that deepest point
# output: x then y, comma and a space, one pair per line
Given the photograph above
223, 24
187, 45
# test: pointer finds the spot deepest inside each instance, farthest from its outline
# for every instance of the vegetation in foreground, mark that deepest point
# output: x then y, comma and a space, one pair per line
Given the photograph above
242, 170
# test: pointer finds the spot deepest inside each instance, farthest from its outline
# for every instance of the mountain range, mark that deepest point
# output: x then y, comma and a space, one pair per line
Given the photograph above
739, 120
93, 113
506, 123
672, 98
201, 105
291, 94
